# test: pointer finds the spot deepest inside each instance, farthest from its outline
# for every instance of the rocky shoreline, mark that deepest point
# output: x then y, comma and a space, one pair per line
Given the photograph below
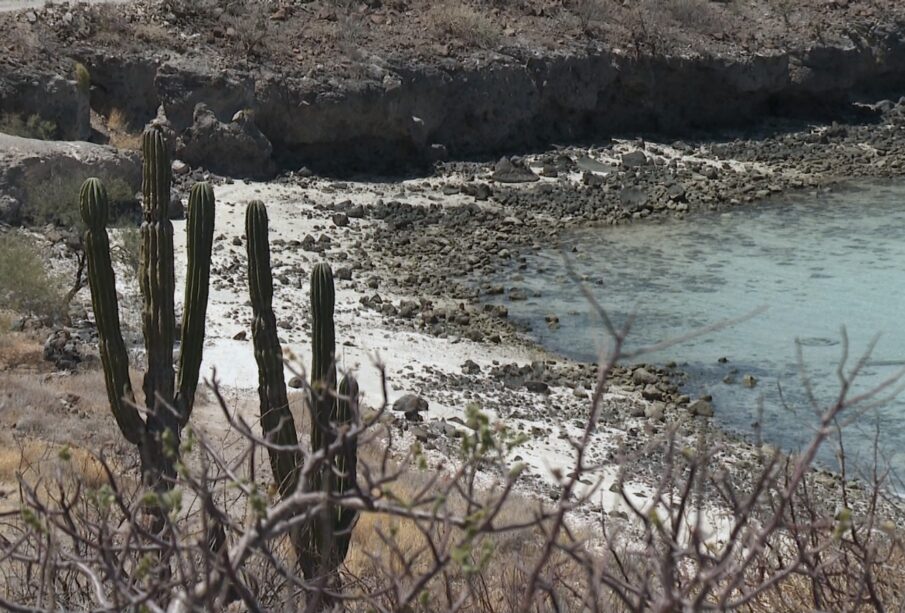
416, 261
416, 258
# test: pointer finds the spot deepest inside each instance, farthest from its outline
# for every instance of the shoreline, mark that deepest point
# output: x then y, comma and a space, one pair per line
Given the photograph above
420, 254
448, 346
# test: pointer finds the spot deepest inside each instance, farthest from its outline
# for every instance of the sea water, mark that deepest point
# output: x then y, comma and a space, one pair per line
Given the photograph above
818, 264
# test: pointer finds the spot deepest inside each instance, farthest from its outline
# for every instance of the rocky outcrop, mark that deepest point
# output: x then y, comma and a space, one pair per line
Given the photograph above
126, 85
400, 112
52, 97
235, 149
34, 169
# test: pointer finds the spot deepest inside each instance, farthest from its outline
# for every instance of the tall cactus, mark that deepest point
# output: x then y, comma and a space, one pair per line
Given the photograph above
276, 419
167, 410
323, 543
157, 282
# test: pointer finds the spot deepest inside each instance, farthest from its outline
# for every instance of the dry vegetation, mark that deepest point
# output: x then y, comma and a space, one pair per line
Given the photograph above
433, 535
26, 285
332, 37
121, 133
32, 126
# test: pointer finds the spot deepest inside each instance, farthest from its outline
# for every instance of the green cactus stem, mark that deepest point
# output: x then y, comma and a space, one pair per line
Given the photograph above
276, 418
157, 281
93, 206
157, 437
323, 350
200, 240
344, 467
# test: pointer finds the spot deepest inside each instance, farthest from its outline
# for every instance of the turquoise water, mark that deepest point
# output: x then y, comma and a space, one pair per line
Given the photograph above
818, 263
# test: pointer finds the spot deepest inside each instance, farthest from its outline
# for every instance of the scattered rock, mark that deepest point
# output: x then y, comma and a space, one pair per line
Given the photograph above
537, 387
510, 171
470, 367
633, 159
642, 376
701, 408
411, 406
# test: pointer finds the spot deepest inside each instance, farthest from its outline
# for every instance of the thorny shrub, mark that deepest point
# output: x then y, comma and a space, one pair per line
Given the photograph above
461, 535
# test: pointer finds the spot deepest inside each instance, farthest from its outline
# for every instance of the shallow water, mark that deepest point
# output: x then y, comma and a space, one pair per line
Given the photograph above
818, 263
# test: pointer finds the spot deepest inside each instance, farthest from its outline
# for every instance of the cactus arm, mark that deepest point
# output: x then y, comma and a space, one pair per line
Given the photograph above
345, 469
276, 418
157, 282
200, 239
323, 348
101, 279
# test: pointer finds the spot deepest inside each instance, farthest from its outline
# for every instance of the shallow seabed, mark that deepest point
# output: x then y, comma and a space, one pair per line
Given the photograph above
817, 262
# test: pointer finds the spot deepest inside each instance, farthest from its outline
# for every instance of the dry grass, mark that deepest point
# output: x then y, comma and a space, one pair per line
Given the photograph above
18, 349
459, 21
36, 460
122, 135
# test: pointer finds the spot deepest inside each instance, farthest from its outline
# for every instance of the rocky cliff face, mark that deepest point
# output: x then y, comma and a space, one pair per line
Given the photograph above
402, 114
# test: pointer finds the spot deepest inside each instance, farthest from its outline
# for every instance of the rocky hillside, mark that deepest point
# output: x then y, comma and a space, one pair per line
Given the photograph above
252, 87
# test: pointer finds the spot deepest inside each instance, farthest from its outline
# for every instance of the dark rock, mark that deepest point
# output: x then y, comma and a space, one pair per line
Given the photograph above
470, 367
538, 387
651, 392
341, 220
517, 293
507, 171
634, 159
642, 376
701, 408
234, 149
410, 403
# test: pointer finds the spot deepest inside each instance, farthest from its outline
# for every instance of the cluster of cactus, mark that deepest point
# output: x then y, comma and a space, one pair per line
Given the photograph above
168, 400
324, 541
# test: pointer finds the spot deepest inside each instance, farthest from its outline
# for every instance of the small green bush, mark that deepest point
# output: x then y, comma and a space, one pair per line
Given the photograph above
56, 201
31, 127
82, 78
25, 285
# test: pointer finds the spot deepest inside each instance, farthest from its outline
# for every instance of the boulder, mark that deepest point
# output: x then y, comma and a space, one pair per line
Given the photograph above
633, 159
642, 376
36, 169
511, 171
234, 149
701, 408
537, 387
411, 405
